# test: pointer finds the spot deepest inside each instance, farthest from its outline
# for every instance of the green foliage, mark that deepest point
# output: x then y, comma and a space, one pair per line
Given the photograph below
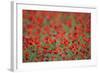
32, 56
26, 21
70, 53
46, 22
66, 28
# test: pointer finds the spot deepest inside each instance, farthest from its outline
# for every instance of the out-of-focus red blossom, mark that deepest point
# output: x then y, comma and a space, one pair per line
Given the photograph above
37, 42
38, 31
29, 29
40, 20
79, 18
49, 16
31, 42
53, 58
36, 59
39, 52
46, 40
45, 51
42, 59
27, 42
55, 51
50, 51
58, 50
24, 14
69, 23
65, 42
47, 29
63, 56
82, 34
88, 21
27, 55
74, 47
76, 35
87, 39
52, 25
49, 40
33, 19
83, 46
45, 47
88, 30
78, 28
60, 34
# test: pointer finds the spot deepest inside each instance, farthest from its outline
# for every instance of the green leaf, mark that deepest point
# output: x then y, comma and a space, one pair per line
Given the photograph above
81, 39
73, 22
26, 21
67, 17
70, 43
52, 46
78, 58
70, 53
43, 44
66, 28
57, 42
46, 22
62, 46
32, 56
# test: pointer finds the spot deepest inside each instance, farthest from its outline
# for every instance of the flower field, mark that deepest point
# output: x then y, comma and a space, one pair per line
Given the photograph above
56, 36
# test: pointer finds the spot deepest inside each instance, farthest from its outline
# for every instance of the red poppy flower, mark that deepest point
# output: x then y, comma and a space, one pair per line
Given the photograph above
83, 46
45, 47
79, 18
39, 52
50, 51
40, 20
69, 23
53, 58
37, 42
74, 47
62, 55
55, 51
86, 39
36, 59
65, 42
27, 55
